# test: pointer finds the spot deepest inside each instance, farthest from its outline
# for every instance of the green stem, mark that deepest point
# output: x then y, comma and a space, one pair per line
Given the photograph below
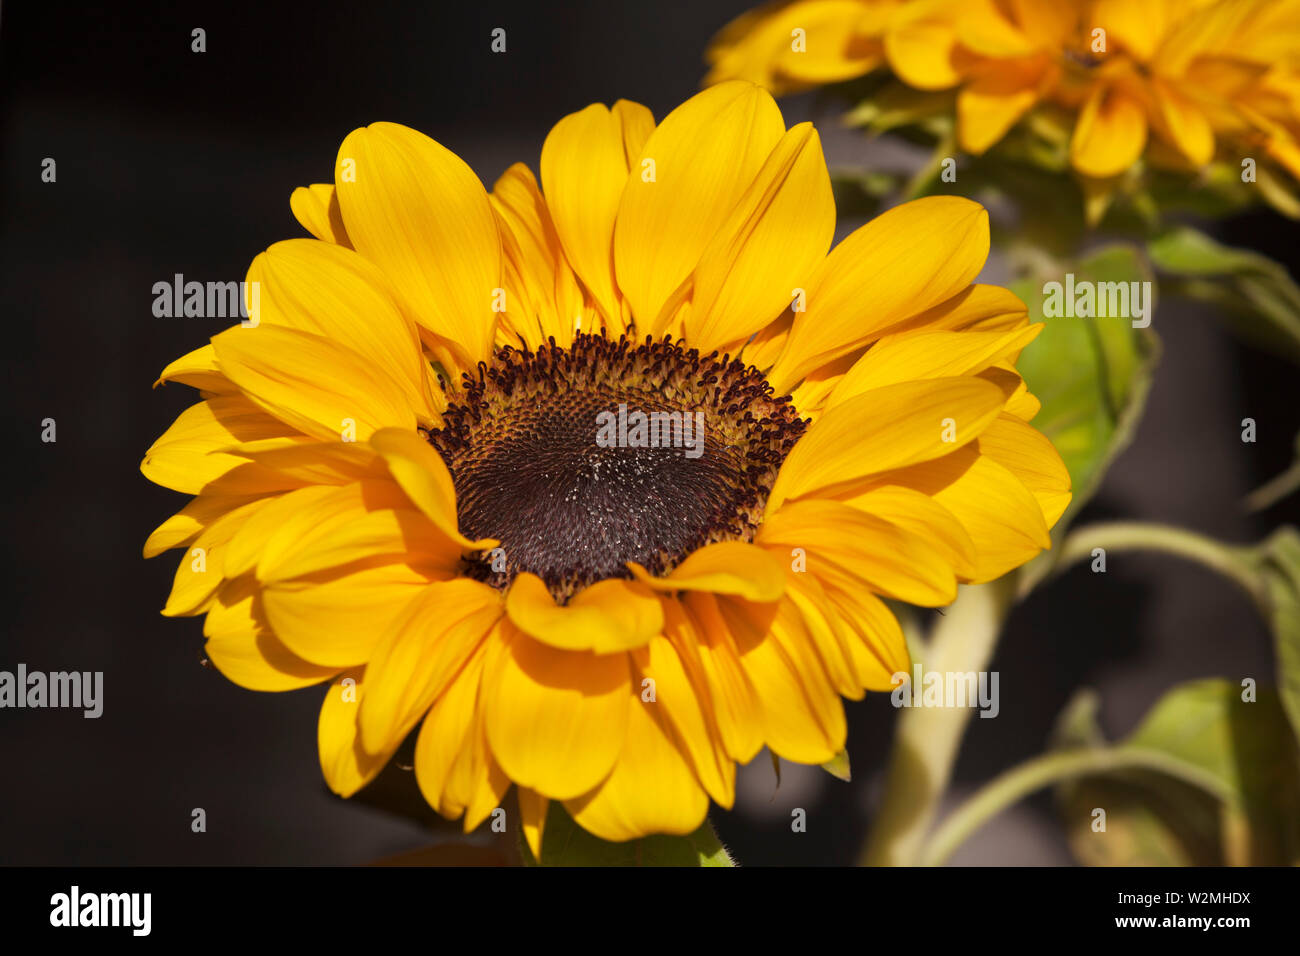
921, 180
1140, 536
1274, 490
1018, 782
927, 738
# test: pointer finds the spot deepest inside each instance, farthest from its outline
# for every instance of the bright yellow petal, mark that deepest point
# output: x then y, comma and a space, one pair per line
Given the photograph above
416, 210
555, 719
917, 356
1183, 123
533, 808
907, 260
991, 104
705, 154
317, 210
446, 742
1030, 456
313, 383
347, 768
609, 616
543, 298
333, 292
420, 655
651, 789
188, 523
1003, 519
338, 622
887, 428
197, 369
424, 477
705, 644
727, 567
769, 246
191, 456
199, 573
685, 706
243, 648
844, 544
922, 515
801, 714
584, 171
922, 46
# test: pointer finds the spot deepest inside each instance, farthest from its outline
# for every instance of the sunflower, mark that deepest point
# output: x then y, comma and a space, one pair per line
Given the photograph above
399, 488
1188, 74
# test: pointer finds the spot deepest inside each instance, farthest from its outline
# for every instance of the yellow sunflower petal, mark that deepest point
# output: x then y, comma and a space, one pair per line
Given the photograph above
801, 715
1184, 123
887, 428
919, 513
769, 246
281, 370
192, 456
333, 292
679, 696
610, 615
197, 369
415, 209
346, 766
651, 789
905, 261
727, 567
977, 308
421, 653
584, 169
543, 296
925, 355
1003, 519
705, 639
532, 811
188, 523
844, 544
338, 622
424, 477
199, 573
922, 46
316, 208
1030, 456
555, 719
991, 104
243, 648
704, 155
314, 462
1109, 135
444, 740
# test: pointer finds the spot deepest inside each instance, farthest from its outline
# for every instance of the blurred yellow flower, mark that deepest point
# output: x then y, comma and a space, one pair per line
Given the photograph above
1180, 76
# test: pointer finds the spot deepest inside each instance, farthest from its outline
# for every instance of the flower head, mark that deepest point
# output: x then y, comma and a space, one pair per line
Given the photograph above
1172, 78
422, 475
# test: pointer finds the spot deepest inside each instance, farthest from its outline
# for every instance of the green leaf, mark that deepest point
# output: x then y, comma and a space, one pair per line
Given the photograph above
1277, 560
564, 843
896, 105
1207, 729
1256, 296
1151, 819
1091, 374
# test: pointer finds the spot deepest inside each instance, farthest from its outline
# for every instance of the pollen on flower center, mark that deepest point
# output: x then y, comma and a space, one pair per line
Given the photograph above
581, 459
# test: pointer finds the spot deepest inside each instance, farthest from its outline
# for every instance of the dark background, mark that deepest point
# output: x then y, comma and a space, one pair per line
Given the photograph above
172, 161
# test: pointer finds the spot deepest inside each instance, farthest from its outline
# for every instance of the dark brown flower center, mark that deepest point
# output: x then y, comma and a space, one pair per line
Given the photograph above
581, 459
